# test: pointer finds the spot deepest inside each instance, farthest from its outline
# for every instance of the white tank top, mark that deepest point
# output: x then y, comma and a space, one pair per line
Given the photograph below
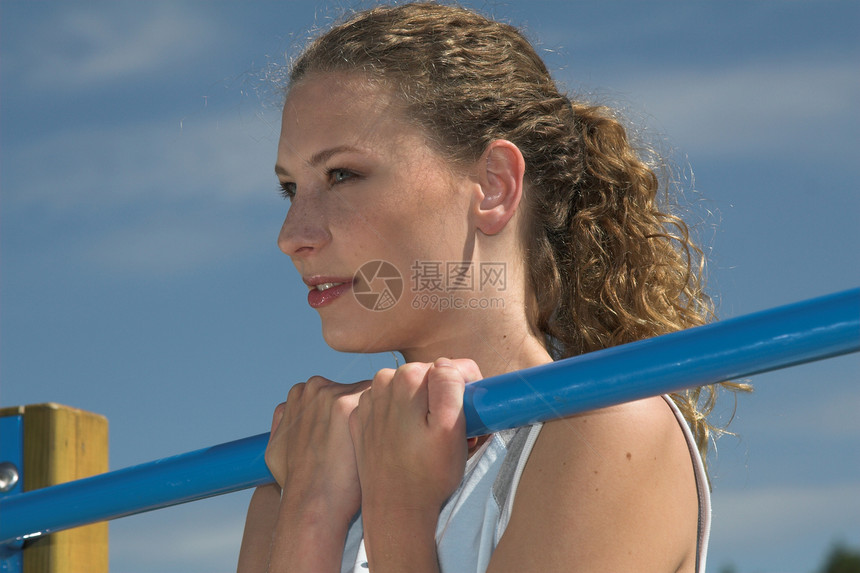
475, 516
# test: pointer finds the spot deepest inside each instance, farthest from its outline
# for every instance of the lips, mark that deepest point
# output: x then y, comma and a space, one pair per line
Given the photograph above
324, 290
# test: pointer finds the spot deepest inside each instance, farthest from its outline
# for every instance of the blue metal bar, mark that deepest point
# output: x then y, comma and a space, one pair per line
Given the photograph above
12, 452
743, 346
170, 481
777, 338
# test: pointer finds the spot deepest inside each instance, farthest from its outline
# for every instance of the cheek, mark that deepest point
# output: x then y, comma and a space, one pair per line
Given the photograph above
415, 215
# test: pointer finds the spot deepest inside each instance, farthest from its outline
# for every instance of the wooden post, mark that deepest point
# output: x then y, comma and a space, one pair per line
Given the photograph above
63, 444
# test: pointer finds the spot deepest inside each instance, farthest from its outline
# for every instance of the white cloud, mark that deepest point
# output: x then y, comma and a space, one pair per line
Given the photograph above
209, 157
200, 536
87, 46
839, 416
767, 107
827, 412
826, 415
783, 528
168, 243
151, 198
784, 512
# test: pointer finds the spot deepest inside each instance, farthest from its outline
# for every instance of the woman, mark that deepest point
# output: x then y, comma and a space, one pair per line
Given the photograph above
435, 141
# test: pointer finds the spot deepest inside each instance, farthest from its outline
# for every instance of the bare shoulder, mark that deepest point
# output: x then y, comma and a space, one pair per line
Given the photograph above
609, 490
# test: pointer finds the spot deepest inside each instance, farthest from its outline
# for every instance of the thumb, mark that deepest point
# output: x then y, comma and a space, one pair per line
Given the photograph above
277, 416
445, 387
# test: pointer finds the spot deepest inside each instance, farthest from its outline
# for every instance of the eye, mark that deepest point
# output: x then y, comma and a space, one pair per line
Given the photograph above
287, 189
338, 175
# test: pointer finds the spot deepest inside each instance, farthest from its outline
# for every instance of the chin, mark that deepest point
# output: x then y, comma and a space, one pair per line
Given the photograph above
360, 336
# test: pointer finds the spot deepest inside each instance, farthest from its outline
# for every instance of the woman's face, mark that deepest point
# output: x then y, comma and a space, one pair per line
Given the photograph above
366, 186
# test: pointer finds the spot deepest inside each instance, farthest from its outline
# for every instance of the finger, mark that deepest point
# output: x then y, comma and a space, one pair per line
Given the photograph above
381, 380
317, 386
277, 416
346, 400
356, 388
365, 402
409, 387
468, 368
355, 425
445, 386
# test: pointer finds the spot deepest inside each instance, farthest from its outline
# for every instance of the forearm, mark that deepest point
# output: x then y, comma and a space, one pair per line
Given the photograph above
259, 524
399, 540
309, 536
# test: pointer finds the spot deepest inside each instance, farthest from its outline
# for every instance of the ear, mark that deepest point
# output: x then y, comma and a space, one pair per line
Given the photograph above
501, 169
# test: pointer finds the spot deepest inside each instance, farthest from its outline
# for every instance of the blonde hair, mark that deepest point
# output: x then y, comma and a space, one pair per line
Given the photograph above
606, 265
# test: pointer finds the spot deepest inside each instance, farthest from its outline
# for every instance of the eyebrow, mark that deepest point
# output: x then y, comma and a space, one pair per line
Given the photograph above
319, 157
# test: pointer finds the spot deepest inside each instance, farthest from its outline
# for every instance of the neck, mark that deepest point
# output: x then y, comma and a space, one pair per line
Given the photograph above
499, 339
496, 346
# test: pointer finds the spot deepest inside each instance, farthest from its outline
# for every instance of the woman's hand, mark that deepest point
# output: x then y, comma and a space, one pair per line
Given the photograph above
409, 435
311, 457
310, 452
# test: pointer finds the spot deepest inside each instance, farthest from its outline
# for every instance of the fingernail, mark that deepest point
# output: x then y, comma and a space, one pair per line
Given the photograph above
440, 362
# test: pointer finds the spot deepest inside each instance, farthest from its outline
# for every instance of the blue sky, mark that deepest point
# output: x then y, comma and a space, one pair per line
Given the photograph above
139, 275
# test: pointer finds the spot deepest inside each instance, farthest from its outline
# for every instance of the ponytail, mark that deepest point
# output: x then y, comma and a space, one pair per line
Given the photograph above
632, 270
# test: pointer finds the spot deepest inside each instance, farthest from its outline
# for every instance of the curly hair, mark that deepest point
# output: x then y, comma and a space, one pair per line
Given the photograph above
606, 265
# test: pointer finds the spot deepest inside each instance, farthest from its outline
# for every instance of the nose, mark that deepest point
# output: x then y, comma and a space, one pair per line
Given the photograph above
305, 230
